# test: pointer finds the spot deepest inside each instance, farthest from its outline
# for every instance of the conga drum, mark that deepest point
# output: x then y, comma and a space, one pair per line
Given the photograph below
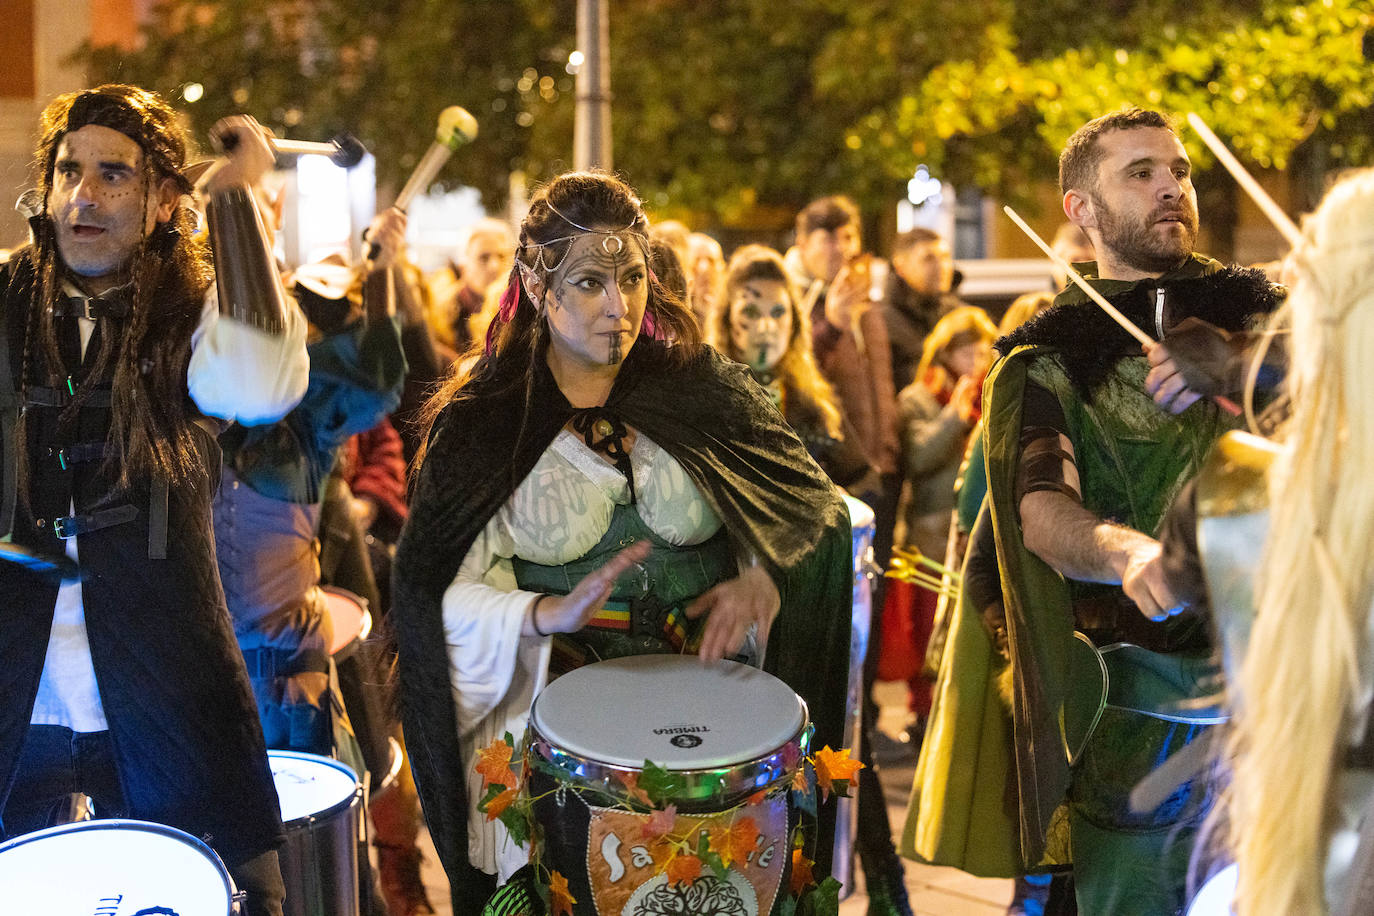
862, 526
724, 739
321, 807
113, 866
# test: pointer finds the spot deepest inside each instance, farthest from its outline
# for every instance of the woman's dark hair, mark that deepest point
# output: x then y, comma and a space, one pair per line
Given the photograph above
594, 199
169, 272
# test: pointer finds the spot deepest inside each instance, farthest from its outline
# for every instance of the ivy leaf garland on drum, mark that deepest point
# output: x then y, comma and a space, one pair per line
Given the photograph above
641, 848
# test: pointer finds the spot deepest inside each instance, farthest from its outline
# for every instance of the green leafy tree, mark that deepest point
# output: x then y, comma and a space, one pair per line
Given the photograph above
739, 111
1285, 80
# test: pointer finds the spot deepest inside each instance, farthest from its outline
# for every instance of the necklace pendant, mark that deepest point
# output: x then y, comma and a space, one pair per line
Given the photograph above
603, 428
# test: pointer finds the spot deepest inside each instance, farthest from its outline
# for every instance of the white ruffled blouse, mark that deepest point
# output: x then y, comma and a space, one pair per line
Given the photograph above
558, 513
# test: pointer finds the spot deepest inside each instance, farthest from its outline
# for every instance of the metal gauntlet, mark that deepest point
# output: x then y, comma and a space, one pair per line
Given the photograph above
246, 276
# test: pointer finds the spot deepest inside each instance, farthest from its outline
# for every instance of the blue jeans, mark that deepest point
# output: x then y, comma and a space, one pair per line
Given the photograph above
57, 762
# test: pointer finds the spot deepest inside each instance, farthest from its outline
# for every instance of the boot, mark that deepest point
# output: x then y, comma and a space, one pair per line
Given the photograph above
395, 811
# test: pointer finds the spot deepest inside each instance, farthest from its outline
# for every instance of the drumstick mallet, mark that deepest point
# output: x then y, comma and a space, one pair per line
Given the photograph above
456, 127
1127, 325
1287, 228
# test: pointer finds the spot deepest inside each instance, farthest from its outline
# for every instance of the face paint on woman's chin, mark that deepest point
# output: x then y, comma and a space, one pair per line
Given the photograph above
614, 355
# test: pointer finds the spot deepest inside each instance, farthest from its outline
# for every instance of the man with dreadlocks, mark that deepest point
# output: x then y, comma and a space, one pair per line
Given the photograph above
123, 680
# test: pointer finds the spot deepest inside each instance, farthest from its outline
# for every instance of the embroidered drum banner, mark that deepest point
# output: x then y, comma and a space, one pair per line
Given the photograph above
649, 864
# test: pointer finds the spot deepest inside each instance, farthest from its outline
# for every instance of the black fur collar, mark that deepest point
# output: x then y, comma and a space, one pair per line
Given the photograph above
1091, 343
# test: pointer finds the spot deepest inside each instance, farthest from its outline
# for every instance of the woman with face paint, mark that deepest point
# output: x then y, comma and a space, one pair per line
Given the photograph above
761, 324
597, 458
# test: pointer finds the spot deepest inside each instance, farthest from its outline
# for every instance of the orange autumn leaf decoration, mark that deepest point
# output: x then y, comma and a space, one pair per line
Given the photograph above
802, 878
832, 767
493, 764
561, 899
500, 803
631, 783
683, 869
736, 842
757, 798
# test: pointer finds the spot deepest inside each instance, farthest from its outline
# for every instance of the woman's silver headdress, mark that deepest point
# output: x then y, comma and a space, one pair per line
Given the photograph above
612, 241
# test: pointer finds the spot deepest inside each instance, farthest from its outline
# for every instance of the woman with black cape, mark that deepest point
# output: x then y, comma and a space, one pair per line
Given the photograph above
596, 419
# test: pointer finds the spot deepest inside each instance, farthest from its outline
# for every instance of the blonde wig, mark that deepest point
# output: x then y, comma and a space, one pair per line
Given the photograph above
1299, 684
806, 393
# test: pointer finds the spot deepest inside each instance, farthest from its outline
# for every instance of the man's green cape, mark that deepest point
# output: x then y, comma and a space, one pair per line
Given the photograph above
992, 777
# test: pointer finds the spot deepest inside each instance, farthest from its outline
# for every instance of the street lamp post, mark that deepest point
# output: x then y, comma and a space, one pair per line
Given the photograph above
592, 126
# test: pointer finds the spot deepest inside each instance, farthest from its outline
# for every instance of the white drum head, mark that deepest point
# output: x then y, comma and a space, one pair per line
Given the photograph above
308, 785
669, 709
1216, 895
112, 866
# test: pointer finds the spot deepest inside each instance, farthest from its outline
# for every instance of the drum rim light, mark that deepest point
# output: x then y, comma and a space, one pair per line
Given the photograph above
719, 785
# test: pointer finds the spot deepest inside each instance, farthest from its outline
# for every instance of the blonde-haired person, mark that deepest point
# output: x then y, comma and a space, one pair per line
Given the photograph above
936, 413
1299, 651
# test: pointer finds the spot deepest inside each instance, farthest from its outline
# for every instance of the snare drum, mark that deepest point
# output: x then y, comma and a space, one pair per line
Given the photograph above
113, 867
321, 807
731, 737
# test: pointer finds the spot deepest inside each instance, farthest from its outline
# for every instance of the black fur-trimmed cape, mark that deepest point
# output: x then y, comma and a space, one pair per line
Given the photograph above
1092, 343
753, 470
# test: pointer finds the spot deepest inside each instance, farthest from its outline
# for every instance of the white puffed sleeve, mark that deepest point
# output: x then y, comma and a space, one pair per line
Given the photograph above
244, 374
495, 674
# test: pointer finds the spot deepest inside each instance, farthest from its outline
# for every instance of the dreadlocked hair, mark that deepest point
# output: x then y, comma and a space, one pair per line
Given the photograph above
168, 274
515, 347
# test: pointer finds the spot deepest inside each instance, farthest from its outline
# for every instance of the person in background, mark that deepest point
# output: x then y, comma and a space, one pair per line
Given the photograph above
762, 325
937, 413
918, 293
1073, 245
460, 290
706, 268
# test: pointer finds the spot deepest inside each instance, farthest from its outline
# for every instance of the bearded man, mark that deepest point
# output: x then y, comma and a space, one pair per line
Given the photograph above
119, 674
1088, 441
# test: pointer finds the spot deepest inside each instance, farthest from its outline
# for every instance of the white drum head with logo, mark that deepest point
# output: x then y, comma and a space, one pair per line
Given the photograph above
310, 786
669, 709
116, 867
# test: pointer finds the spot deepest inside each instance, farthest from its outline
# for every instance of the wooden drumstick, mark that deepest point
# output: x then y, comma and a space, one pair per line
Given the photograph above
1082, 284
1287, 228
